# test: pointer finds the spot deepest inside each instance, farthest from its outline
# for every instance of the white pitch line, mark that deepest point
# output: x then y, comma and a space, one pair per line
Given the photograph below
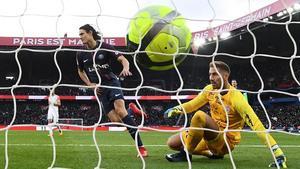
80, 145
258, 146
127, 145
65, 168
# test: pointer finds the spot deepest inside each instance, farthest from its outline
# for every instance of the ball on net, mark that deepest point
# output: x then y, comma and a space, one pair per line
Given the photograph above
159, 33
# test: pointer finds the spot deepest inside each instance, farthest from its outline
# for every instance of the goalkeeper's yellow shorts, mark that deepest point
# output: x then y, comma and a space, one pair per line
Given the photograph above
216, 146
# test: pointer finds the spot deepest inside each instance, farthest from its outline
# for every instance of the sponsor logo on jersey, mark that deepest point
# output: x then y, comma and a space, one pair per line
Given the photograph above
116, 95
104, 66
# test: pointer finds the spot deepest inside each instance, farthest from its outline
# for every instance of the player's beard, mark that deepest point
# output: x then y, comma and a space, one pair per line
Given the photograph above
214, 84
218, 84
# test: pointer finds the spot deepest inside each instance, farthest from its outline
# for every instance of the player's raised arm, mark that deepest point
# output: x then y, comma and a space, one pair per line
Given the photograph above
251, 119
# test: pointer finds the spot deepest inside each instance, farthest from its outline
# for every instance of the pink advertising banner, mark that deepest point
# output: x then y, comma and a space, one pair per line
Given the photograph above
242, 21
120, 41
50, 41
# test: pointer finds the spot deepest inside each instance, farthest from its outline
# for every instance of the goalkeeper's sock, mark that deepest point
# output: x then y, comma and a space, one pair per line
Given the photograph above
129, 121
276, 150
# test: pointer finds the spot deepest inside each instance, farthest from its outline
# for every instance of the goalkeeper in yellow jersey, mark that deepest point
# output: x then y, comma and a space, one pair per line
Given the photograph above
212, 143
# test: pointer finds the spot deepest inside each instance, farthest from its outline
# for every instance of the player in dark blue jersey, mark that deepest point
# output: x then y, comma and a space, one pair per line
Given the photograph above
111, 98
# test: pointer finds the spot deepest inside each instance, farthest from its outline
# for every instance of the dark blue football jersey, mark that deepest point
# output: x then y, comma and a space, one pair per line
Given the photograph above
103, 61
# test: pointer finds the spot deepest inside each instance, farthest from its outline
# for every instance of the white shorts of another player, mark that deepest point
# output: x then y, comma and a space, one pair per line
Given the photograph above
53, 115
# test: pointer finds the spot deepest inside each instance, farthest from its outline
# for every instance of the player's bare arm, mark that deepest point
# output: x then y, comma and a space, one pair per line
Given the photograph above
58, 102
125, 72
84, 77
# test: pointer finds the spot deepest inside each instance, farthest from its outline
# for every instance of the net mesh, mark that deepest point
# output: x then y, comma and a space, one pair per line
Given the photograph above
211, 36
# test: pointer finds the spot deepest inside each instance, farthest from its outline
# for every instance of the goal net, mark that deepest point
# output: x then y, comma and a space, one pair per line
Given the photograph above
71, 123
259, 40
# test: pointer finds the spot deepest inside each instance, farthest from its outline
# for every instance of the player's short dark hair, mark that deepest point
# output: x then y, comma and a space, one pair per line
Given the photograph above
89, 28
221, 66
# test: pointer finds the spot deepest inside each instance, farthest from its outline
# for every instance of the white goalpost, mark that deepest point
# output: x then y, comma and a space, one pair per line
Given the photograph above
64, 19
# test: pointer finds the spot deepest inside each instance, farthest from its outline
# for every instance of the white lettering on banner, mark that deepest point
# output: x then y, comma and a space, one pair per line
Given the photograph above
49, 41
56, 41
109, 41
72, 42
265, 12
16, 41
30, 41
260, 14
38, 41
75, 42
201, 35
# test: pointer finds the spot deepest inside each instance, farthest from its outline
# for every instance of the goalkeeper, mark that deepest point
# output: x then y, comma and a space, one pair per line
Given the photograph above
212, 143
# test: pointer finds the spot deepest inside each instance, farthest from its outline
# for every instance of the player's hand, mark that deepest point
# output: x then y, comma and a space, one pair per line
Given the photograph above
172, 111
125, 73
94, 85
280, 158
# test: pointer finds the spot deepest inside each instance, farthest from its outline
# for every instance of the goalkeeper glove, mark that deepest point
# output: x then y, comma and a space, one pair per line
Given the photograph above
280, 157
172, 111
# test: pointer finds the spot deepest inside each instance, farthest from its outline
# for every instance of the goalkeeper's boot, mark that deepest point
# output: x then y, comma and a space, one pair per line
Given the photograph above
137, 111
281, 160
215, 157
143, 151
60, 132
211, 155
178, 157
280, 157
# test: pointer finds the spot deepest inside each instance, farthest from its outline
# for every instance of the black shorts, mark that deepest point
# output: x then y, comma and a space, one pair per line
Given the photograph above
109, 95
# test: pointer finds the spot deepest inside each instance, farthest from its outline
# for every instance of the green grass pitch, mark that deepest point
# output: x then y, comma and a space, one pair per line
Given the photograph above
76, 150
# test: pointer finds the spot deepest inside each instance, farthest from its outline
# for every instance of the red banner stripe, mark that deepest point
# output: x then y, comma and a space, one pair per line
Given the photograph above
43, 97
